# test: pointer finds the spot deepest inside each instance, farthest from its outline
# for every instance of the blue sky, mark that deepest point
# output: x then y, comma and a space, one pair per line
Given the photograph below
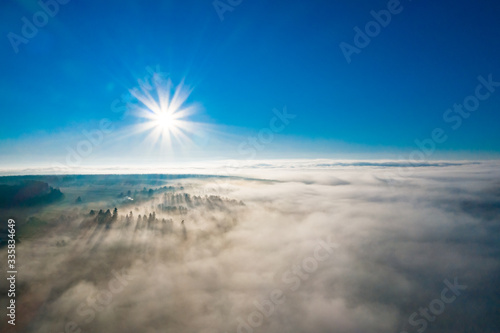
262, 55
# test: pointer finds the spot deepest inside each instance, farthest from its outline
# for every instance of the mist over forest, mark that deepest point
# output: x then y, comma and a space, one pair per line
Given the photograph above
358, 248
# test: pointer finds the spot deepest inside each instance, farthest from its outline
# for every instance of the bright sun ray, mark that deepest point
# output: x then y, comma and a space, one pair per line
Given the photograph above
164, 114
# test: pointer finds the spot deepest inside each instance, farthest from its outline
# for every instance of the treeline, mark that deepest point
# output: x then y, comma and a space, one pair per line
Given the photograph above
141, 222
180, 202
106, 217
148, 192
149, 222
28, 193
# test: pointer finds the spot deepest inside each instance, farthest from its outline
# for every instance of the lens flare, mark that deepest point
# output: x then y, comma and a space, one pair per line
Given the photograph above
163, 113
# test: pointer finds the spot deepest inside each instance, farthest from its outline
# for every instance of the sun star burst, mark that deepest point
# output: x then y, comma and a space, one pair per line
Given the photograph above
163, 114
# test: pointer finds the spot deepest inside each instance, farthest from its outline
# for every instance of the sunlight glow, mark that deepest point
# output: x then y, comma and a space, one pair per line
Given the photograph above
163, 115
165, 120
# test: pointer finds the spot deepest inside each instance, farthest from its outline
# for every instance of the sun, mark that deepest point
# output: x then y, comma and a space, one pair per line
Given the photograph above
165, 120
163, 114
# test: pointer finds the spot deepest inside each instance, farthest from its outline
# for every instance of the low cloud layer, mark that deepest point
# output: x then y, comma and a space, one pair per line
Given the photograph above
313, 248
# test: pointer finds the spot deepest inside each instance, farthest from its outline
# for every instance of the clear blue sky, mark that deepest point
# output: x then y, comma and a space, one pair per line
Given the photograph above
263, 55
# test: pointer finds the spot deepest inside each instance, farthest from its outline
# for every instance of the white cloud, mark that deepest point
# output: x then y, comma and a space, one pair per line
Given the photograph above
396, 245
